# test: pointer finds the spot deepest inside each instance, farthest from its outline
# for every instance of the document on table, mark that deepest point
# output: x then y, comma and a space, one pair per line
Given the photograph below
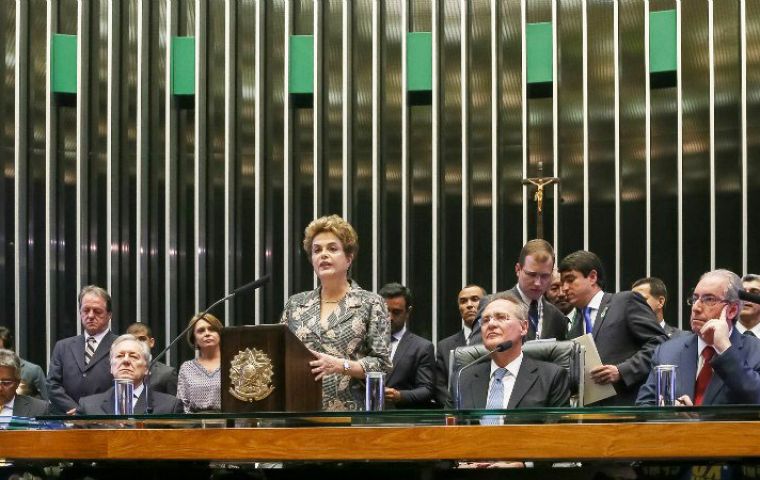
592, 391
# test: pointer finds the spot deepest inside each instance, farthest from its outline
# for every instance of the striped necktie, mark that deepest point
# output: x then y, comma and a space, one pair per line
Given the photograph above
495, 399
89, 350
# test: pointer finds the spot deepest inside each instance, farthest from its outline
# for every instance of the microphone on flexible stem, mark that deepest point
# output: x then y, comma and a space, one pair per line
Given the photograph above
248, 286
749, 297
499, 348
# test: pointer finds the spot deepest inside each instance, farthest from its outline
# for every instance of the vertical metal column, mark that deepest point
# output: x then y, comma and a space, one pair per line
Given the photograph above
259, 139
616, 60
113, 155
647, 145
51, 171
376, 25
405, 144
20, 178
170, 203
142, 159
287, 155
494, 145
584, 27
347, 114
524, 121
555, 122
679, 162
318, 98
435, 162
84, 242
230, 135
200, 253
745, 172
711, 56
464, 48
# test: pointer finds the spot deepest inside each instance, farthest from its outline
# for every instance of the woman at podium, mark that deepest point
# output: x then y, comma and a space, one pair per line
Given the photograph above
345, 326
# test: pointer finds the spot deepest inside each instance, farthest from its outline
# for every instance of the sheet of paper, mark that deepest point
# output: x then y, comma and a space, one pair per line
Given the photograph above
593, 392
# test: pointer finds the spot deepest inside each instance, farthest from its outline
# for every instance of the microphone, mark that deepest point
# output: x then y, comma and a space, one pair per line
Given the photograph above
248, 286
499, 348
749, 297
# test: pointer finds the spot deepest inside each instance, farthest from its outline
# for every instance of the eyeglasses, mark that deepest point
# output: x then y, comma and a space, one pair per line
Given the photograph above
498, 318
707, 300
7, 383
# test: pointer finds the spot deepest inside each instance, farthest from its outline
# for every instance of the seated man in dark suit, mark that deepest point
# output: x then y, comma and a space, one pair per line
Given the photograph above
716, 364
163, 378
33, 381
411, 382
11, 404
511, 379
79, 364
468, 300
623, 326
129, 360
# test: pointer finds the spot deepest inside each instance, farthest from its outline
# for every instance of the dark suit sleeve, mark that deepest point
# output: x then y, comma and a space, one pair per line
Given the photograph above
648, 392
60, 400
38, 379
424, 379
741, 379
559, 395
441, 393
178, 407
643, 327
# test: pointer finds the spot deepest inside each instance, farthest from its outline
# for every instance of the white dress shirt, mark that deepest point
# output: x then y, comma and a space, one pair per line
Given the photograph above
509, 378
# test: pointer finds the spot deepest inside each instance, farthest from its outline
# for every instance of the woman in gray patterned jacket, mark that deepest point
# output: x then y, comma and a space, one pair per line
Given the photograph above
346, 327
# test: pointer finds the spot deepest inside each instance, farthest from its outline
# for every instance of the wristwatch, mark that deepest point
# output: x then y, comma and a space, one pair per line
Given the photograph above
346, 366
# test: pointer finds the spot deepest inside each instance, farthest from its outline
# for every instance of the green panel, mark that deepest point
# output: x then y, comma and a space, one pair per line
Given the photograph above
183, 65
419, 61
301, 64
662, 41
539, 52
64, 63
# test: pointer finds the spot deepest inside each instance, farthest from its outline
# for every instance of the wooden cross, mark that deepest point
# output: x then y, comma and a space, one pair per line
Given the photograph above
538, 197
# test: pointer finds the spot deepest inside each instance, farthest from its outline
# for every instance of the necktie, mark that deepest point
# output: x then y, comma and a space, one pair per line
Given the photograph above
89, 350
533, 315
749, 333
495, 399
394, 344
705, 375
587, 320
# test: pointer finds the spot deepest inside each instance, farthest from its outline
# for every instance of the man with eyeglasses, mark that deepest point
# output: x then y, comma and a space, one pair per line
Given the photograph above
79, 365
623, 326
11, 404
411, 382
716, 364
749, 319
511, 379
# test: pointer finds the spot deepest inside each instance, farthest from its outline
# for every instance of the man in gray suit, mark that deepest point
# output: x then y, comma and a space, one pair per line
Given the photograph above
623, 326
11, 404
468, 300
411, 382
511, 379
163, 378
79, 365
129, 360
656, 295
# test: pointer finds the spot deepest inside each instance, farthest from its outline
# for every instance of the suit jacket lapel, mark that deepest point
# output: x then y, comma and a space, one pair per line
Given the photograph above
77, 352
401, 348
716, 383
140, 405
526, 377
346, 309
576, 329
20, 407
108, 406
687, 361
480, 381
601, 314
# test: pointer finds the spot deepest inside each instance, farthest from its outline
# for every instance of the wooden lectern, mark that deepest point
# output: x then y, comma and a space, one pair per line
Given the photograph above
267, 360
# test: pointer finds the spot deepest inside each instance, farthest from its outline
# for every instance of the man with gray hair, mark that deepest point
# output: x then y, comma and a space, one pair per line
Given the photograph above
11, 404
510, 380
79, 364
749, 319
129, 360
716, 364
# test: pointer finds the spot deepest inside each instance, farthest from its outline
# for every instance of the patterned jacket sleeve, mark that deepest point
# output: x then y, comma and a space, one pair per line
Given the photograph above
378, 358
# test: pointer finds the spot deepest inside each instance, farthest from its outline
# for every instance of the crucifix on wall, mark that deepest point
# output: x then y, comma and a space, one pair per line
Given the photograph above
540, 183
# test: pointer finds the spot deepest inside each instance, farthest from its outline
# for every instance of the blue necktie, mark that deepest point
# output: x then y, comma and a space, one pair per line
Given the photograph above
495, 397
533, 315
587, 320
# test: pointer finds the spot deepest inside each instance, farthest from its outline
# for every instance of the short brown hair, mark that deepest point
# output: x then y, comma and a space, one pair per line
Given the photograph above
216, 326
539, 249
98, 292
337, 226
